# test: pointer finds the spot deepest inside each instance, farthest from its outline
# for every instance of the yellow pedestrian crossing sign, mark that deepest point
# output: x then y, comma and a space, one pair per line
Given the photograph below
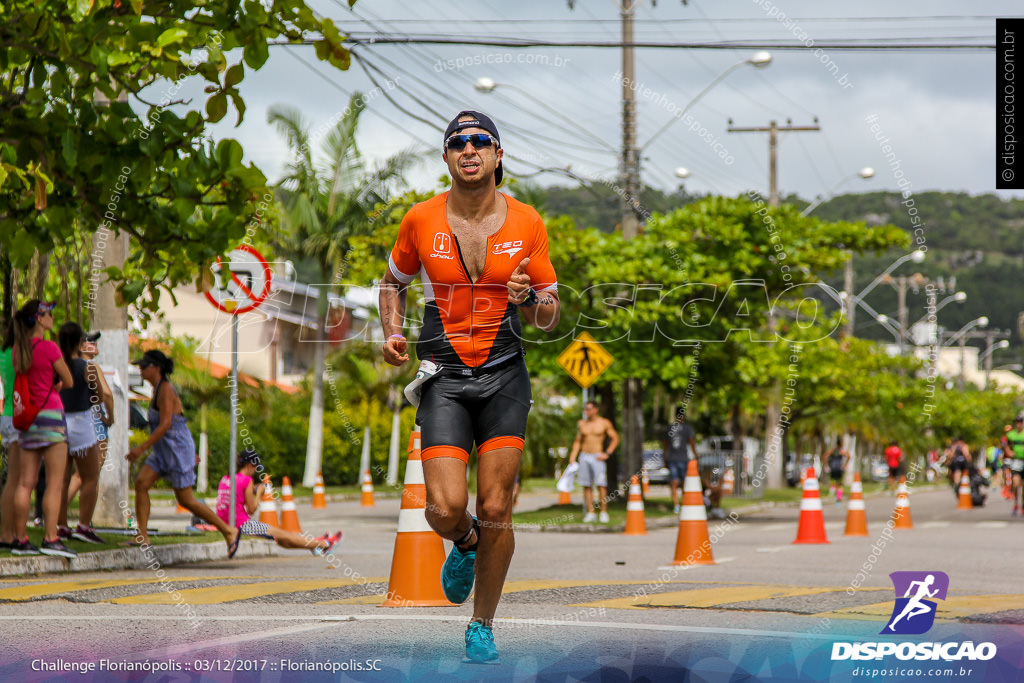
585, 360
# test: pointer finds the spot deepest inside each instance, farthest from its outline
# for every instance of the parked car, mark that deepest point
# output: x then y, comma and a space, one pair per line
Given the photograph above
654, 463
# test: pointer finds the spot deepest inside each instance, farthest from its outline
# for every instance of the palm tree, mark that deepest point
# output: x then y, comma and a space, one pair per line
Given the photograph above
328, 203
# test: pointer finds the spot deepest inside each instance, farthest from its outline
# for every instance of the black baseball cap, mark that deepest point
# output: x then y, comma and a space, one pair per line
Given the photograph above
155, 357
479, 120
91, 336
249, 456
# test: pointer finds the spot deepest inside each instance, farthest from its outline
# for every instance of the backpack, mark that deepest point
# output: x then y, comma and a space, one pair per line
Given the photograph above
25, 412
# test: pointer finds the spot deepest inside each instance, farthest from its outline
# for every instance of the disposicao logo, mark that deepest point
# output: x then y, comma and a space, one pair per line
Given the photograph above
914, 614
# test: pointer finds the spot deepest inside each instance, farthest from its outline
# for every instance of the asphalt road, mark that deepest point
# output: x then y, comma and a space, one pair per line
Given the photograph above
577, 606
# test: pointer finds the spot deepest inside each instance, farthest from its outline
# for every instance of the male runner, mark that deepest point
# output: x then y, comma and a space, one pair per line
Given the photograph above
1014, 456
483, 259
593, 456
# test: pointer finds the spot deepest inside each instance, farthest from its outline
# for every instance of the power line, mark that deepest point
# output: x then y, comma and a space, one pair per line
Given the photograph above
447, 39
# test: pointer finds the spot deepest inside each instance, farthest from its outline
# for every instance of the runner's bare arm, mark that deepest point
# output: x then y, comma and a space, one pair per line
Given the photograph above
392, 314
544, 312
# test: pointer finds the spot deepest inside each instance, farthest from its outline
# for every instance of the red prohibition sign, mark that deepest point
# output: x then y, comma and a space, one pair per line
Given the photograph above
254, 298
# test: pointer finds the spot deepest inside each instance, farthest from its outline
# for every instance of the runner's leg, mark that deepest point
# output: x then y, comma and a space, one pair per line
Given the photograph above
497, 476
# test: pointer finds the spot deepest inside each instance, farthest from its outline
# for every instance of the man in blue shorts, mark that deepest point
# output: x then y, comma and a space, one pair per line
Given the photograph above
678, 437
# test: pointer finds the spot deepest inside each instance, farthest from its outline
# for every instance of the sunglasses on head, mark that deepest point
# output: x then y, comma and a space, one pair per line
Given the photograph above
44, 309
458, 142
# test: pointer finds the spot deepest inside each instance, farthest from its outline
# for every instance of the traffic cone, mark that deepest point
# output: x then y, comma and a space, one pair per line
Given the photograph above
646, 481
635, 524
693, 546
564, 498
268, 509
319, 501
367, 490
811, 528
964, 501
901, 515
856, 518
415, 579
728, 482
180, 509
289, 516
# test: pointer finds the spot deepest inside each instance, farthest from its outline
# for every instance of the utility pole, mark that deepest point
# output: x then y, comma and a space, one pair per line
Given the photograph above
851, 301
774, 441
630, 195
773, 131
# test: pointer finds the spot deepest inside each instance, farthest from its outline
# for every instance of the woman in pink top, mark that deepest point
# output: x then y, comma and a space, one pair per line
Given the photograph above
46, 439
247, 497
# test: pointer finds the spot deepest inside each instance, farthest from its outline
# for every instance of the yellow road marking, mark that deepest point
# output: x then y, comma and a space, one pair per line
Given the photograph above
547, 584
37, 590
231, 593
951, 608
709, 597
358, 600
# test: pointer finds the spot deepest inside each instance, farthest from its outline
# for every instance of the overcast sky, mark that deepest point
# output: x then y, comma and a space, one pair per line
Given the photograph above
936, 107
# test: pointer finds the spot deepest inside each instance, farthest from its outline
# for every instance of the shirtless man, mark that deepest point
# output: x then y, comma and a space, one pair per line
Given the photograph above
589, 445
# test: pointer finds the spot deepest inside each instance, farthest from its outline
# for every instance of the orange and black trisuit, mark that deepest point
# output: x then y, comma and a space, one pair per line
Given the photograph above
471, 329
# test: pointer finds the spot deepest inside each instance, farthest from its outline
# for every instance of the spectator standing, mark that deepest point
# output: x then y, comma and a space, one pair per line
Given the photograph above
677, 445
45, 440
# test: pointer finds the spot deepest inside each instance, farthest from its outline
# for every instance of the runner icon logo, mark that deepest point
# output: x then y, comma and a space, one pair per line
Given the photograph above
913, 613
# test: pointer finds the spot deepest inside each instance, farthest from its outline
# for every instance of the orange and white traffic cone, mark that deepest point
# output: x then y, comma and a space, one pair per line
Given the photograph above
367, 490
811, 528
415, 579
289, 515
856, 518
268, 508
964, 499
693, 546
901, 515
319, 500
728, 482
635, 523
645, 481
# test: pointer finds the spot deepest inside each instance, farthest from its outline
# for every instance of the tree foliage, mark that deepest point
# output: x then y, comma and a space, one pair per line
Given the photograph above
76, 155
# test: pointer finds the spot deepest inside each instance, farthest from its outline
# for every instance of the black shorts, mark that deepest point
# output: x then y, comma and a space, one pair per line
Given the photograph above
836, 475
894, 472
489, 410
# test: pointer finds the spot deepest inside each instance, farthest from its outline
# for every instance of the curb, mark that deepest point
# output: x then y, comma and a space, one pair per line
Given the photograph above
133, 558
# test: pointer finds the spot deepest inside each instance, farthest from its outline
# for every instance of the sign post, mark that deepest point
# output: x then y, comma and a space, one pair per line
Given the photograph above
245, 289
585, 360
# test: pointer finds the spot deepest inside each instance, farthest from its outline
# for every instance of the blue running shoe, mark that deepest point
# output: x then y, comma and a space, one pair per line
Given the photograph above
457, 575
480, 644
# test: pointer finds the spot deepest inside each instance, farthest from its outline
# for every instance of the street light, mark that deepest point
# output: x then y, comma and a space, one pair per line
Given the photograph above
758, 60
883, 319
986, 356
488, 85
865, 173
961, 336
977, 322
917, 256
683, 173
959, 297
